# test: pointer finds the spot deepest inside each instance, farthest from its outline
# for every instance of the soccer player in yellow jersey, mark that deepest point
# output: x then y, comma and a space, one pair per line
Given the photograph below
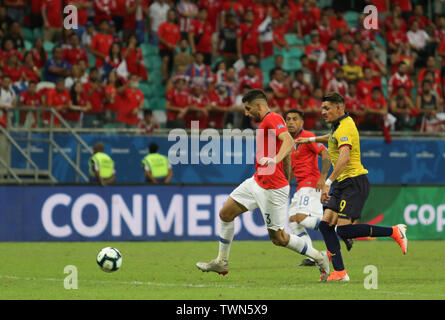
349, 186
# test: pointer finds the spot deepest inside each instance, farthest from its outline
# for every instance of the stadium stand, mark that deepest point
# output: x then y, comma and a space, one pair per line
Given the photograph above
290, 35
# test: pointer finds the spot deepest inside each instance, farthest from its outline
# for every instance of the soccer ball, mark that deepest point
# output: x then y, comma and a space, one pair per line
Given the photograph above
109, 259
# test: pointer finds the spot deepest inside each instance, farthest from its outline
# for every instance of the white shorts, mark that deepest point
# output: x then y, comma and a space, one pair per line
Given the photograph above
306, 201
272, 202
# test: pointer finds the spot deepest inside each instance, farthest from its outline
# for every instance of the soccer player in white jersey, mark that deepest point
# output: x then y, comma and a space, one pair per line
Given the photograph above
268, 189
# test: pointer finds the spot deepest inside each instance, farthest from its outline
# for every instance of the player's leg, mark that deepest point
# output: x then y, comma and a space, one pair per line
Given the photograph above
239, 201
353, 204
273, 206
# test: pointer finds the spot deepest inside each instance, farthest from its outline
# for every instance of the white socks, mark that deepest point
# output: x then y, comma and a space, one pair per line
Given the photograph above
300, 231
310, 223
225, 239
299, 245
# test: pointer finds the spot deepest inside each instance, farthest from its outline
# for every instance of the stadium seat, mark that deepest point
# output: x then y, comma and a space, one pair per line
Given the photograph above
37, 33
146, 88
28, 34
148, 50
91, 59
293, 40
28, 45
48, 46
324, 3
351, 18
307, 39
291, 65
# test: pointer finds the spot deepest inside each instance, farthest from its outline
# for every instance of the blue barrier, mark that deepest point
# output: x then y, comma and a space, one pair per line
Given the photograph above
120, 213
417, 161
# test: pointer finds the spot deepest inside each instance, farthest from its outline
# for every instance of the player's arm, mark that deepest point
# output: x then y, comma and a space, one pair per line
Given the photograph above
286, 146
325, 166
320, 139
288, 168
342, 162
285, 149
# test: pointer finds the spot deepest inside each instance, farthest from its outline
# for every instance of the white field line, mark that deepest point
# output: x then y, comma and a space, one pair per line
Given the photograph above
190, 285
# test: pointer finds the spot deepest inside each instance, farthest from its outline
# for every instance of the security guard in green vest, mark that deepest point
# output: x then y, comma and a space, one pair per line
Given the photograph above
101, 166
157, 168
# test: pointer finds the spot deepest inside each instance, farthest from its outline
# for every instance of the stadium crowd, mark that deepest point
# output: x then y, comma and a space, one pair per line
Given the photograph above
208, 53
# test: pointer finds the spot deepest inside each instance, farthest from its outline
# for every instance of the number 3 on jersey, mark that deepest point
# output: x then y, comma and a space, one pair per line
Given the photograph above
268, 221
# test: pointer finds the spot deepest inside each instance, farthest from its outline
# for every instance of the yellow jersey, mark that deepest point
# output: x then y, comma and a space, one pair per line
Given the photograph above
345, 133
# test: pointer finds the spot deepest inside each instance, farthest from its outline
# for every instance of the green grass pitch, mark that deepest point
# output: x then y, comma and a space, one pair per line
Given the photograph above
258, 270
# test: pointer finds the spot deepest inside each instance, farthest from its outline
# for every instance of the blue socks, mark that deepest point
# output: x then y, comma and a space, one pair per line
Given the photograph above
363, 230
332, 244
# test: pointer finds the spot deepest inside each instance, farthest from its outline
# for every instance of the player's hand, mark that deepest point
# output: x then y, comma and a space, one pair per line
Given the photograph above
320, 183
267, 161
302, 140
325, 193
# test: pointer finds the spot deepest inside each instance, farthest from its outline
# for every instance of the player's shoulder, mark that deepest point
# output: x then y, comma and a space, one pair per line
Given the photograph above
306, 134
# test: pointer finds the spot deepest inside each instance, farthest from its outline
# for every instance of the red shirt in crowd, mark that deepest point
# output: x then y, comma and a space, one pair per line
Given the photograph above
54, 12
95, 97
304, 161
202, 31
201, 102
101, 43
364, 88
169, 32
102, 10
28, 100
254, 82
249, 39
56, 99
130, 19
376, 105
82, 16
327, 72
213, 10
354, 104
126, 113
29, 73
74, 115
14, 73
270, 176
217, 117
135, 62
74, 55
397, 80
179, 99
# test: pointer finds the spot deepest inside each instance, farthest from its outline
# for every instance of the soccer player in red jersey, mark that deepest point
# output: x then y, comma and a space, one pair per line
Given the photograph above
306, 210
268, 189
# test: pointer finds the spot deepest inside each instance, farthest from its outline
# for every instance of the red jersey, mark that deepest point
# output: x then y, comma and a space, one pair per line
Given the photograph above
28, 100
201, 102
397, 80
307, 22
36, 6
135, 62
82, 16
74, 55
30, 74
396, 37
290, 103
133, 98
421, 76
326, 34
213, 9
269, 176
95, 97
354, 104
130, 19
202, 32
254, 82
179, 99
54, 11
376, 105
56, 99
101, 43
14, 73
327, 72
364, 88
216, 100
281, 88
249, 39
74, 115
169, 32
304, 161
102, 10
